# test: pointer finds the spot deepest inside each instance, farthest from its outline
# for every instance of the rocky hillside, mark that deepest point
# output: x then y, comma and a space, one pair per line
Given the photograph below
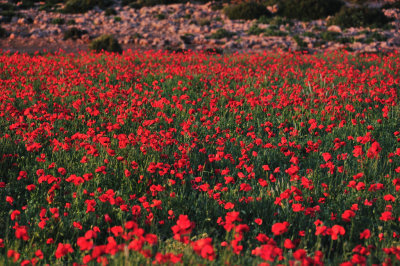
195, 26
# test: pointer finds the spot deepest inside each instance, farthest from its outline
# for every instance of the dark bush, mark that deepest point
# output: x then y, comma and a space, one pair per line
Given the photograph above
246, 10
8, 15
299, 41
359, 17
82, 6
3, 33
395, 4
141, 3
73, 33
7, 7
110, 12
221, 33
58, 21
308, 9
105, 43
71, 22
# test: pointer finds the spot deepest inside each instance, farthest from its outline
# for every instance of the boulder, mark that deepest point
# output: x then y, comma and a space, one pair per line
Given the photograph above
334, 28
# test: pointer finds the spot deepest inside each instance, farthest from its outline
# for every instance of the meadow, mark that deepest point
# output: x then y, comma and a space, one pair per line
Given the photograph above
198, 158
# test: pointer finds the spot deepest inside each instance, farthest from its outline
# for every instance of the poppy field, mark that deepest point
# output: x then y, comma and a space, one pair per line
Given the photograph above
198, 158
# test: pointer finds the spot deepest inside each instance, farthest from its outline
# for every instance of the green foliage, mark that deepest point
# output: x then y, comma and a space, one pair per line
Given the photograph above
274, 32
105, 43
375, 37
359, 17
203, 22
276, 20
161, 16
306, 10
246, 10
255, 30
82, 6
71, 22
58, 21
8, 15
330, 36
299, 41
222, 33
73, 33
141, 3
270, 31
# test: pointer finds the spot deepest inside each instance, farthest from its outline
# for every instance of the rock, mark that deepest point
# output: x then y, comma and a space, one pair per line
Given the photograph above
80, 20
143, 42
357, 46
360, 37
97, 21
12, 36
85, 38
229, 45
273, 9
334, 28
395, 41
21, 21
126, 40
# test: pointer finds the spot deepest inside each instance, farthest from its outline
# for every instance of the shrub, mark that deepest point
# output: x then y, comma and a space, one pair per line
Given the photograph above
222, 33
309, 9
359, 17
274, 32
141, 3
3, 33
105, 43
395, 4
161, 16
110, 12
81, 6
8, 15
57, 21
71, 22
299, 41
187, 38
73, 33
246, 10
255, 30
203, 22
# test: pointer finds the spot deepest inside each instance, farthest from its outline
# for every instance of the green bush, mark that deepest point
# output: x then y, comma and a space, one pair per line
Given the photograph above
255, 30
221, 33
71, 22
58, 21
141, 3
306, 10
105, 43
73, 33
246, 10
82, 6
359, 17
3, 33
299, 41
